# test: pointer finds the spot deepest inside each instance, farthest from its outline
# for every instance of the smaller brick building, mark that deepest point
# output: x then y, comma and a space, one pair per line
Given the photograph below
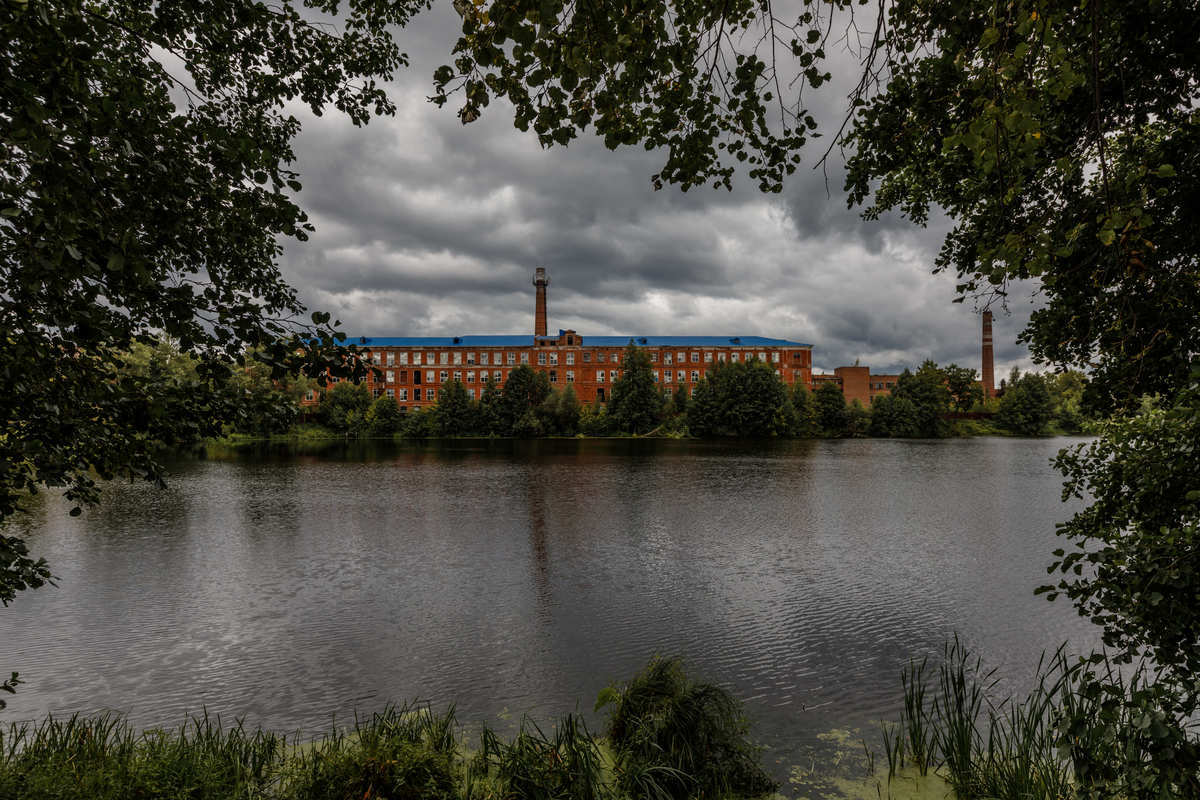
858, 383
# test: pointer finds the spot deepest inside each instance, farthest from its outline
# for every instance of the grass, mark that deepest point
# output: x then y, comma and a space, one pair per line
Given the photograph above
680, 739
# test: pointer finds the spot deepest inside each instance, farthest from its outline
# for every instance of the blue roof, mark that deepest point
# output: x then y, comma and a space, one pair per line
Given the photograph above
588, 341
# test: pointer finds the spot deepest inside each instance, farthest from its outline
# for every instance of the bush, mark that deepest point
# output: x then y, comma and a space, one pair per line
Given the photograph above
674, 737
398, 754
534, 766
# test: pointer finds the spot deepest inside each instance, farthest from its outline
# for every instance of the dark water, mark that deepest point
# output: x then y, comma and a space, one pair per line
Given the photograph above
523, 577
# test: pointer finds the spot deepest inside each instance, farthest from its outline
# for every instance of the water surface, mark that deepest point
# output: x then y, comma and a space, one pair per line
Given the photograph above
521, 577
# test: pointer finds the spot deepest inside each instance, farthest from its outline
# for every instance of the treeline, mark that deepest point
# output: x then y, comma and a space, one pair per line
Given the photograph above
737, 399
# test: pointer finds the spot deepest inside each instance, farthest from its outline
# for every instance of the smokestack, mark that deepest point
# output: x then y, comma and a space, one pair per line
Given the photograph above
539, 317
989, 376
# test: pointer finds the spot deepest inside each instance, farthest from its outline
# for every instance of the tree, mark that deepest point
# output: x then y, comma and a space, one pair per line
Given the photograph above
1025, 408
1067, 390
744, 399
523, 391
145, 191
926, 389
490, 409
965, 391
559, 413
635, 405
1135, 562
344, 408
384, 417
894, 417
831, 408
454, 414
858, 420
806, 411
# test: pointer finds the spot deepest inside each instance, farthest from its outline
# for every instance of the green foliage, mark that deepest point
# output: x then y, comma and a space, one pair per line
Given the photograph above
523, 391
564, 766
1026, 407
103, 758
558, 415
831, 410
895, 417
805, 408
1134, 562
384, 417
344, 408
491, 411
677, 738
927, 390
1067, 391
594, 421
635, 405
528, 425
965, 390
146, 193
455, 413
744, 399
420, 423
400, 754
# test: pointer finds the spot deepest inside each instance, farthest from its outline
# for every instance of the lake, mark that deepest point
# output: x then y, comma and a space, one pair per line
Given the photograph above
294, 585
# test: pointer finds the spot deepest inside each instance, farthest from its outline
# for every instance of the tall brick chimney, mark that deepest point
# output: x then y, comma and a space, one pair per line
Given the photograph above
989, 376
539, 318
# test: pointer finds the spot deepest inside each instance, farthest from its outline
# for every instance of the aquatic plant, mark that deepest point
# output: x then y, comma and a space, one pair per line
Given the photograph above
566, 765
103, 758
678, 738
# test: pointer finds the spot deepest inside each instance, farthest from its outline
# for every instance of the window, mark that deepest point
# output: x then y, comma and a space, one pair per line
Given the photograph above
524, 358
655, 373
654, 357
587, 357
695, 357
777, 374
416, 358
695, 375
483, 359
429, 376
391, 376
376, 393
390, 393
403, 376
681, 357
458, 375
762, 356
404, 358
457, 358
443, 376
681, 375
601, 358
570, 376
721, 358
443, 357
734, 356
470, 376
612, 375
470, 358
599, 376
775, 357
310, 395
667, 376
708, 358
431, 394
600, 394
391, 359
417, 377
554, 376
497, 376
616, 358
570, 359
542, 359
554, 359
471, 393
377, 358
512, 359
668, 358
403, 394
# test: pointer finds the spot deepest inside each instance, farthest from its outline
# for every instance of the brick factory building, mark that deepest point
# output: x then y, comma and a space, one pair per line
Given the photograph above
858, 383
413, 368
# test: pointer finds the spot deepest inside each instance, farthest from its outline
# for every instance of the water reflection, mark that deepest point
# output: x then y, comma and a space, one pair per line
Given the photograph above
291, 584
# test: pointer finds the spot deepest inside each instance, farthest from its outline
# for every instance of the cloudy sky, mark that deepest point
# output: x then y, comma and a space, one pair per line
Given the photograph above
428, 227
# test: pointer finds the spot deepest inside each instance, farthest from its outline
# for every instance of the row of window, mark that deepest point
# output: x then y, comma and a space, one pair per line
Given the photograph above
446, 358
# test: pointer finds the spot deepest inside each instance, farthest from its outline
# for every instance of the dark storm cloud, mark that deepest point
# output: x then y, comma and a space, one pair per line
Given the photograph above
426, 226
